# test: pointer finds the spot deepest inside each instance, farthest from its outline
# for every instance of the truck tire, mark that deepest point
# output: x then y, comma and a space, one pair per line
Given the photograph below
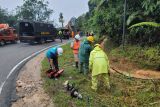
14, 41
53, 39
2, 43
42, 41
31, 43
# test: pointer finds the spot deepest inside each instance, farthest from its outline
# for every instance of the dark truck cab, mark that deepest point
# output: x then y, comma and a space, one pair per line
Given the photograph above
31, 32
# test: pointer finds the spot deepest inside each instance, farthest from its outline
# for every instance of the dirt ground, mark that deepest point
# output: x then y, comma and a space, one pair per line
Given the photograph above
131, 69
29, 86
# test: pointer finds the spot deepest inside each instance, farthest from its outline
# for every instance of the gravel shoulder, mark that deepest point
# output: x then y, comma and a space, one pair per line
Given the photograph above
29, 86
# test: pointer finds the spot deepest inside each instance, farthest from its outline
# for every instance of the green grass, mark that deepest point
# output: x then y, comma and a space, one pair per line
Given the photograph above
125, 92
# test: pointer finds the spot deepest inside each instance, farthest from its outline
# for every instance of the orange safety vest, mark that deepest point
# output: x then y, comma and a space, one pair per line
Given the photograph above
72, 34
76, 46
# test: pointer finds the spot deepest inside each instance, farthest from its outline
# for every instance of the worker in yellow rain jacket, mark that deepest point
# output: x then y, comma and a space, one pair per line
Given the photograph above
99, 65
60, 34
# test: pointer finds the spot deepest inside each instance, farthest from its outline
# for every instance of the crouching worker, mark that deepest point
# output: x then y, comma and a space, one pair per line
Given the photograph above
99, 65
52, 55
75, 46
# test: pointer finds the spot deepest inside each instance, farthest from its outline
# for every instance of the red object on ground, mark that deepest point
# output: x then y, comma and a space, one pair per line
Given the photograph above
53, 74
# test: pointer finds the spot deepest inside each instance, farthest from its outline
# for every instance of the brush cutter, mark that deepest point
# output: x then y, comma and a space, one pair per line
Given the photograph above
51, 73
73, 91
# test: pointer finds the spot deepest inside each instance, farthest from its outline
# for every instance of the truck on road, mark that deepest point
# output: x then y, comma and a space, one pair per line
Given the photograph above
7, 34
31, 32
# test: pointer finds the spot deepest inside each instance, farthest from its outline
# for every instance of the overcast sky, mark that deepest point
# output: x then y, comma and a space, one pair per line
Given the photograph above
69, 8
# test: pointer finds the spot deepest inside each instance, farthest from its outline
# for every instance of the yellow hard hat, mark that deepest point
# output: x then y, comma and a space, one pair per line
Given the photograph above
97, 45
90, 38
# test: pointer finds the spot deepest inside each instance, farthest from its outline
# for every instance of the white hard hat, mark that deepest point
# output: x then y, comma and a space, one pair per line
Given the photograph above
59, 51
77, 37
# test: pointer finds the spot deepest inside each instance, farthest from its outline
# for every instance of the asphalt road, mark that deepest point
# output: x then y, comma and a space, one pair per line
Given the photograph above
10, 55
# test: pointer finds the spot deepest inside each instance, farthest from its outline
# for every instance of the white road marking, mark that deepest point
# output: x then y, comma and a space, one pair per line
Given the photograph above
1, 87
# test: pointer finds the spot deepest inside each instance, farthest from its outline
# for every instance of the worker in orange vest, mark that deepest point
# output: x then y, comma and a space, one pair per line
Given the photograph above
72, 34
75, 47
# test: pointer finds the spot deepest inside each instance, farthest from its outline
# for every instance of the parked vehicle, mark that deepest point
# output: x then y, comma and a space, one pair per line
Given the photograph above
31, 32
7, 34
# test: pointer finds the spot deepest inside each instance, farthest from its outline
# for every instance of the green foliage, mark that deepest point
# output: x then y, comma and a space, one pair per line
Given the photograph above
150, 6
34, 10
134, 16
148, 33
105, 17
61, 20
144, 56
152, 24
5, 17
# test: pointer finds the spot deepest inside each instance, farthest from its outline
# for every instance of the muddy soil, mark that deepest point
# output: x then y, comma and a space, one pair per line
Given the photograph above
131, 69
29, 86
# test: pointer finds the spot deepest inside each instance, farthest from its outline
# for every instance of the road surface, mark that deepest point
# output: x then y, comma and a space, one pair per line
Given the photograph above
10, 55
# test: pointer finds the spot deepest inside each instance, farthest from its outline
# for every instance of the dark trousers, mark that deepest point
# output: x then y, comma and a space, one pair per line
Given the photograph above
55, 63
84, 67
60, 37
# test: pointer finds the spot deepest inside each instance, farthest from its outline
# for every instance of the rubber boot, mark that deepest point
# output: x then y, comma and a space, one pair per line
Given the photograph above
76, 64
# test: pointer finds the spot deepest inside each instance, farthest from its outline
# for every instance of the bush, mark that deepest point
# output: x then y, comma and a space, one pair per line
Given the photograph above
147, 57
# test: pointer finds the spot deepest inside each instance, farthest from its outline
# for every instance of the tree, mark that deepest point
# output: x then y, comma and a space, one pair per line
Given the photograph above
61, 20
105, 17
5, 17
34, 10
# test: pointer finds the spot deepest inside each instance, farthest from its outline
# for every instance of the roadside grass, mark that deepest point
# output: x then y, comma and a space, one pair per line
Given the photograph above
143, 57
125, 92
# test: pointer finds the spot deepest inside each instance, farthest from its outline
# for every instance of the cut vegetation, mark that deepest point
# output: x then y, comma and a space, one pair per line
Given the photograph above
125, 92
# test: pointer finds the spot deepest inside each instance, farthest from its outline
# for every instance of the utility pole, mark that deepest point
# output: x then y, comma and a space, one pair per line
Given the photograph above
124, 24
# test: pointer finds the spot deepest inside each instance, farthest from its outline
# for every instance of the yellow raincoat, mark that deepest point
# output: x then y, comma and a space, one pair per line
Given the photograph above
99, 65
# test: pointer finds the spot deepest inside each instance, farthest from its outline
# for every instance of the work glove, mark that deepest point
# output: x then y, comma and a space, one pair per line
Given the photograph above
56, 70
52, 68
